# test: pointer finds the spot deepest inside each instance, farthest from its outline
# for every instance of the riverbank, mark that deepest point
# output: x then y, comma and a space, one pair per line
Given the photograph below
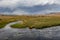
20, 32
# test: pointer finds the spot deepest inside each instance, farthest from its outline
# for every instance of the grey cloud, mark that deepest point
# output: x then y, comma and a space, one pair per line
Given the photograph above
28, 6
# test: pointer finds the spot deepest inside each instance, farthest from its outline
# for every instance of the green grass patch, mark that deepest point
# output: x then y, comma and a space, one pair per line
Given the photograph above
18, 26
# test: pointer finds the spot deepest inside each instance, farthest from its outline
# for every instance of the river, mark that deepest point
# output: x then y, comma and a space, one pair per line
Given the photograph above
8, 33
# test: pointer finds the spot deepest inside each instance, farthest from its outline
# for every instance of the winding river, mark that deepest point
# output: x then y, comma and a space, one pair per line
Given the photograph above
8, 33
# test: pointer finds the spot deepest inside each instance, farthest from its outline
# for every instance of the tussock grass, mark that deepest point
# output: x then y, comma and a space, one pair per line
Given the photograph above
38, 22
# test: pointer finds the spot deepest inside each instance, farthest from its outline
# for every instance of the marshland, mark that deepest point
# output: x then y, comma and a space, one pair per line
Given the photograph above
38, 22
24, 27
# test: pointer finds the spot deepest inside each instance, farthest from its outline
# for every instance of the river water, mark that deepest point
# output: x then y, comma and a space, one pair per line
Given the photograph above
8, 33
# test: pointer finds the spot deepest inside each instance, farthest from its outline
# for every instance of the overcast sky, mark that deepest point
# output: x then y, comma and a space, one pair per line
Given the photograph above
27, 6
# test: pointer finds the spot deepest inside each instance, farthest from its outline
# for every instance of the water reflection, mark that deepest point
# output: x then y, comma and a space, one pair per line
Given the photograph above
9, 33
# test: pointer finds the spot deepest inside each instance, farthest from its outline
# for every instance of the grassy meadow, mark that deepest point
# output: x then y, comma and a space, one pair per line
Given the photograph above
38, 22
